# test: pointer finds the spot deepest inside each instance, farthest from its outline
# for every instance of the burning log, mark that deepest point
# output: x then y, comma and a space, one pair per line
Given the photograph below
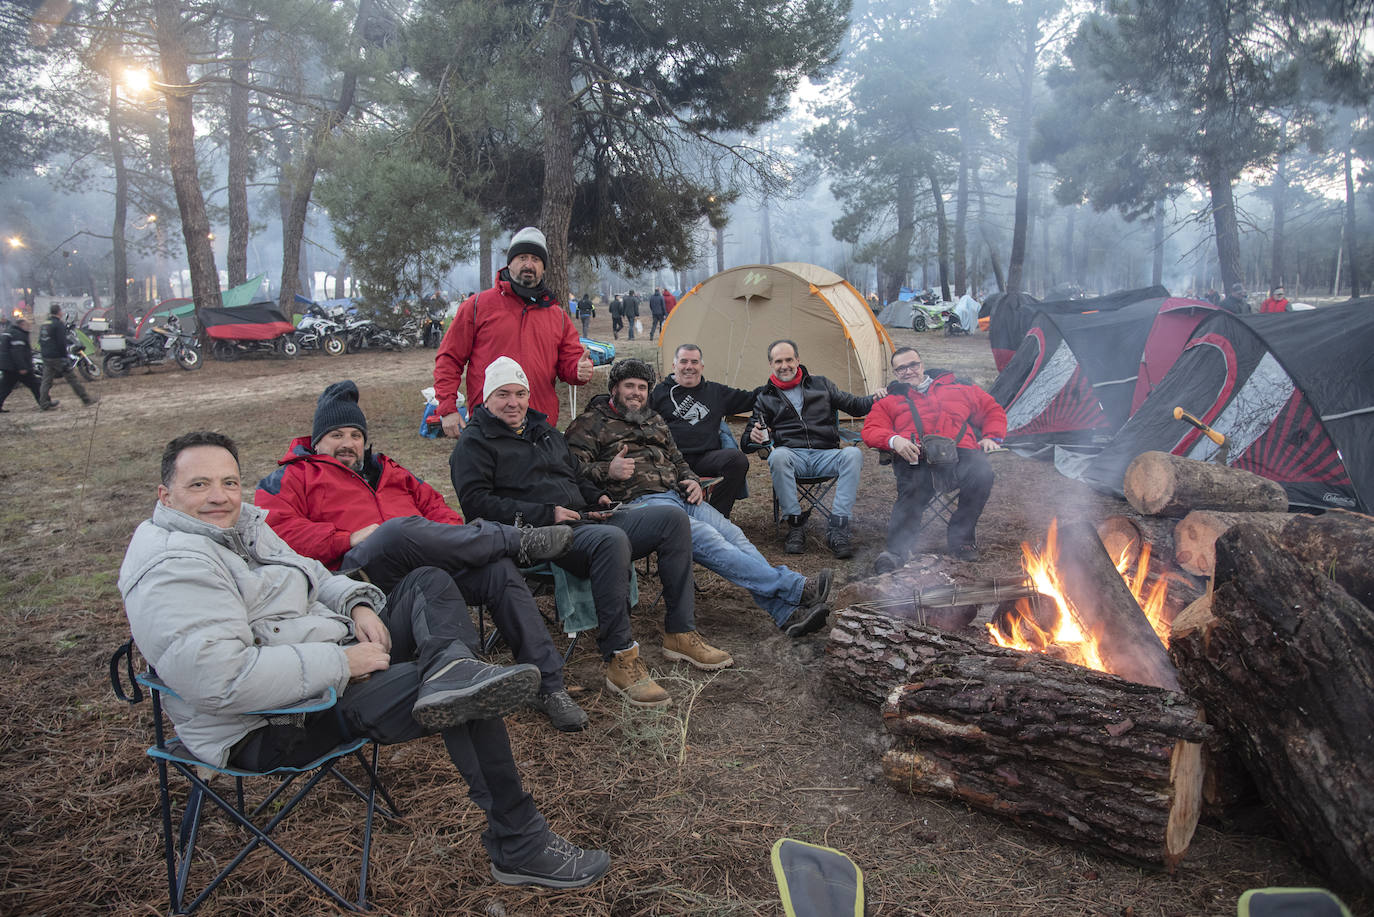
1341, 544
1124, 536
1080, 755
1108, 612
1160, 484
1285, 667
1196, 535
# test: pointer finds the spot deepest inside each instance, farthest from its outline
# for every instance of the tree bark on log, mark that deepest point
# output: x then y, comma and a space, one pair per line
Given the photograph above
1108, 612
1195, 537
1083, 756
1160, 484
1341, 544
1127, 533
1286, 670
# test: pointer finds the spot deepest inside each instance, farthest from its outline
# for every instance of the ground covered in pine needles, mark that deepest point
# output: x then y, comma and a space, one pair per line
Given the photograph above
687, 801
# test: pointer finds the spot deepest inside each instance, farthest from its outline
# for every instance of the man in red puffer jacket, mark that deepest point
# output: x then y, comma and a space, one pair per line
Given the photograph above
519, 318
946, 407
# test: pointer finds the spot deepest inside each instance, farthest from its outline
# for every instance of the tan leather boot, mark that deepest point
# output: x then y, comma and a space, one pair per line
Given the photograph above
627, 676
690, 648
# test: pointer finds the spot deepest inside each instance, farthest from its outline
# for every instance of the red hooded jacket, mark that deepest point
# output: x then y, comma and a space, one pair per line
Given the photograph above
315, 503
944, 407
540, 336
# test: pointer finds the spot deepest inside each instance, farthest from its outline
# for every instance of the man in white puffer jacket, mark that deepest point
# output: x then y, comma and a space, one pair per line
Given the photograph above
234, 621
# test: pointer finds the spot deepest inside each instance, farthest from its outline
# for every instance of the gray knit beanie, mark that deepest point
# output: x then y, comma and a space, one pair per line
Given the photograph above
528, 241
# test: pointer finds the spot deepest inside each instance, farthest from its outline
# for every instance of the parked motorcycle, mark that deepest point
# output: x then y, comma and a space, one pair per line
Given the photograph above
161, 343
77, 359
953, 327
364, 333
229, 350
318, 331
928, 316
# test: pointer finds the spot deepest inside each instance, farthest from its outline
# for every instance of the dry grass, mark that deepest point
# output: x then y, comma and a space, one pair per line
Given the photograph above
688, 801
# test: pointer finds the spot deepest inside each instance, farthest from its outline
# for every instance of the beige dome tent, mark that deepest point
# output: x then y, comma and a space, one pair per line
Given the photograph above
736, 314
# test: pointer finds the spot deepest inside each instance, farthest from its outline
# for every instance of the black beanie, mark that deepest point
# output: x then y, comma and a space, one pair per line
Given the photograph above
337, 407
629, 368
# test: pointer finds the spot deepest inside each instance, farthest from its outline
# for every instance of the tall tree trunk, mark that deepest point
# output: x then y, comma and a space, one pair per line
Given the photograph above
485, 235
897, 259
765, 233
240, 49
1224, 222
942, 233
961, 205
1280, 203
1351, 237
555, 213
294, 231
1157, 271
181, 152
719, 232
119, 277
1020, 224
1217, 116
1070, 268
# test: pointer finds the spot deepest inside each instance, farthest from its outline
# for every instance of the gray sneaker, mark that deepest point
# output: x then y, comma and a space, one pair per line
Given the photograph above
561, 710
561, 864
469, 689
541, 543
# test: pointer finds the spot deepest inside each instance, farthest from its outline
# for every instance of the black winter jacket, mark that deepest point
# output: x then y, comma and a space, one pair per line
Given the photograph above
52, 339
657, 307
16, 354
816, 427
694, 414
498, 473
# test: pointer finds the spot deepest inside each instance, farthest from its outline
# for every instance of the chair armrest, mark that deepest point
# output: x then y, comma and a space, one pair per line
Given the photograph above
324, 701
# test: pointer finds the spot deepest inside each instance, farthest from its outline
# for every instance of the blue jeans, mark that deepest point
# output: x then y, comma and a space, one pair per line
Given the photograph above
720, 546
788, 464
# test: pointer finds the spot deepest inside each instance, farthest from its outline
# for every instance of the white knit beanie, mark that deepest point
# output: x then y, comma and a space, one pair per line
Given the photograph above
502, 371
528, 241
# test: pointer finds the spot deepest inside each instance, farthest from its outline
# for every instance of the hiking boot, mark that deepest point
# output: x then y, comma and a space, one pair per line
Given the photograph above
94, 399
886, 562
541, 543
806, 619
967, 552
468, 689
50, 405
838, 539
816, 591
690, 648
795, 543
561, 710
561, 864
627, 676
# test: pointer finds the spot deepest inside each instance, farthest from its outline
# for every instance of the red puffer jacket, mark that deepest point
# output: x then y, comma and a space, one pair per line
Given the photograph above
316, 504
499, 323
944, 407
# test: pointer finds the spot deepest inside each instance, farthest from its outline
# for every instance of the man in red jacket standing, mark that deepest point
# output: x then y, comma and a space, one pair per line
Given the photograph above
334, 499
946, 407
519, 318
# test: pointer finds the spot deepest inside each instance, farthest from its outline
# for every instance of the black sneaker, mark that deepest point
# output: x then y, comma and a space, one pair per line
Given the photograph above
541, 543
796, 539
839, 540
469, 689
561, 864
561, 710
886, 562
807, 619
967, 552
816, 591
50, 405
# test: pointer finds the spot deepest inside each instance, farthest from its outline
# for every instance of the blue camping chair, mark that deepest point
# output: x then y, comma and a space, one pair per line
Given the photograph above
172, 755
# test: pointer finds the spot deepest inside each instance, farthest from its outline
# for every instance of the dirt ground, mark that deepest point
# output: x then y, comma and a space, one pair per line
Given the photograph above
688, 802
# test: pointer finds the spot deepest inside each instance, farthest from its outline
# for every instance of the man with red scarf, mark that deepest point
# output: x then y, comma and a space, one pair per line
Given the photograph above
796, 416
519, 318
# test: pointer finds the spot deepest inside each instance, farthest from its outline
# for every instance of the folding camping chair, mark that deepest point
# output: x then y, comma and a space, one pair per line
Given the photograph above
543, 581
170, 754
812, 492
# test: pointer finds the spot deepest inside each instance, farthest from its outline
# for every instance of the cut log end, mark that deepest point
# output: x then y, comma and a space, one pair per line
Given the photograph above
1186, 772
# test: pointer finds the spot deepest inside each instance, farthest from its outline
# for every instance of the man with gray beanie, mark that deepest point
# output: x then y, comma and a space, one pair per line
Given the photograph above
334, 499
519, 317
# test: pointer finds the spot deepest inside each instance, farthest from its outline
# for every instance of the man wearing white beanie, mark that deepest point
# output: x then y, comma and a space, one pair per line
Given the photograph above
521, 318
512, 464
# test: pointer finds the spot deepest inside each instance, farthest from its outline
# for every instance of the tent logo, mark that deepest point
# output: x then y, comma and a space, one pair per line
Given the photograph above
1338, 499
753, 279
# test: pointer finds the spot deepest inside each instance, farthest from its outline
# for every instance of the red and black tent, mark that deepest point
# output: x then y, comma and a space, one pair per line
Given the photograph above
1292, 392
1076, 377
259, 321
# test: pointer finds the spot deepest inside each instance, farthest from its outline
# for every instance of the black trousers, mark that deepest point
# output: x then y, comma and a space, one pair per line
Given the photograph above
730, 464
429, 626
916, 487
10, 378
478, 557
603, 552
654, 328
617, 322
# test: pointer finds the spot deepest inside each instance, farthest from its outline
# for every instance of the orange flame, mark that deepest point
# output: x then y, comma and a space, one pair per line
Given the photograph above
1070, 639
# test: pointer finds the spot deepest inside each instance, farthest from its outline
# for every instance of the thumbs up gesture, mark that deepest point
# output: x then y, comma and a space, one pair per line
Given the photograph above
584, 368
621, 467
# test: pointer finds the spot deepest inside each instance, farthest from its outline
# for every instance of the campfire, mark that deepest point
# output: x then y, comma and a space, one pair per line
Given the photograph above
1048, 622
